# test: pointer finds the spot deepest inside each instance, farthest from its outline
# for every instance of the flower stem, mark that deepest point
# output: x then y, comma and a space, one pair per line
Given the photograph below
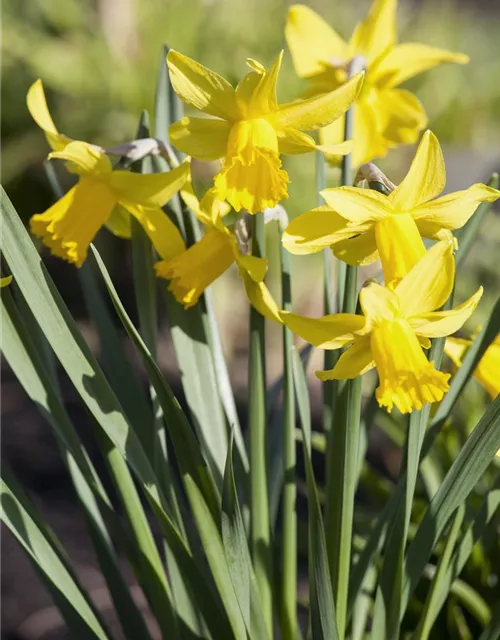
343, 438
288, 608
259, 498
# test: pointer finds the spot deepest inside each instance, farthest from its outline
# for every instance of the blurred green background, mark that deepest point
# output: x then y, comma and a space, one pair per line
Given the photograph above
99, 58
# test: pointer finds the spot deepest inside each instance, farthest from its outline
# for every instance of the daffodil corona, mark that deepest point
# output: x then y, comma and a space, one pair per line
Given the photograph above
362, 225
395, 327
249, 129
70, 225
384, 116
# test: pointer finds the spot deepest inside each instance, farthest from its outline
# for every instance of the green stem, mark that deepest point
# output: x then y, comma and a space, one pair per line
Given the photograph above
343, 438
288, 612
259, 498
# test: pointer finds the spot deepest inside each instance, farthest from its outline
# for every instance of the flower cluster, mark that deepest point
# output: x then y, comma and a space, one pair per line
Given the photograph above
246, 128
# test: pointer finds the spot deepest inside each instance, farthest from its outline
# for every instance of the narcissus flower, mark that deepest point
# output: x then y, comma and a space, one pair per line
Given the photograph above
362, 225
395, 327
487, 371
250, 130
384, 116
192, 271
70, 225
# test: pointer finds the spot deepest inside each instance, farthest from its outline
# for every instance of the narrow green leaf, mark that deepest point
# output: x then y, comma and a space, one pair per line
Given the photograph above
39, 542
322, 609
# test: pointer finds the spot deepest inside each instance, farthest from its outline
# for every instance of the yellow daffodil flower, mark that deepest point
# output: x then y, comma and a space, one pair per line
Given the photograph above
362, 225
395, 326
487, 371
249, 129
4, 282
192, 271
384, 116
70, 225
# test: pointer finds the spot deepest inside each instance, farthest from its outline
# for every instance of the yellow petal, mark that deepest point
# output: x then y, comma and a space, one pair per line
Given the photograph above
254, 266
377, 32
312, 41
194, 270
202, 138
164, 235
356, 205
454, 209
251, 176
407, 379
69, 226
200, 87
37, 106
403, 116
358, 250
455, 349
256, 93
378, 303
314, 113
260, 297
119, 223
425, 179
407, 60
429, 284
443, 323
330, 332
352, 363
487, 370
84, 159
399, 245
4, 282
148, 189
315, 230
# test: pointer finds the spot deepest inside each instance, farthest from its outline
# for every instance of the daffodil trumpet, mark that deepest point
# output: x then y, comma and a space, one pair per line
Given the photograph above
248, 129
363, 225
396, 325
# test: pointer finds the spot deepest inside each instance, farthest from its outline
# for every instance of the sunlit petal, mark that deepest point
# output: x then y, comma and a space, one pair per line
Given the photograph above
425, 179
377, 32
148, 189
260, 297
37, 106
329, 332
164, 235
84, 159
4, 282
358, 250
378, 303
119, 223
202, 138
254, 266
444, 323
200, 87
357, 205
352, 363
403, 116
312, 41
429, 284
399, 245
262, 98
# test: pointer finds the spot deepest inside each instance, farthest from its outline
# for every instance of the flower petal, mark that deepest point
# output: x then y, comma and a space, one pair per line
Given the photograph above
358, 250
443, 323
202, 138
260, 297
261, 99
454, 209
69, 226
487, 370
403, 116
119, 223
377, 32
330, 332
407, 60
317, 112
425, 179
200, 87
378, 303
429, 284
163, 233
315, 230
255, 267
399, 245
312, 41
356, 205
352, 363
37, 106
4, 282
83, 159
455, 349
148, 189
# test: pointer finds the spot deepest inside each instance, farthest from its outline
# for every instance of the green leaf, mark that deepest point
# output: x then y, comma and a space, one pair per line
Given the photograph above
39, 542
466, 470
322, 610
492, 630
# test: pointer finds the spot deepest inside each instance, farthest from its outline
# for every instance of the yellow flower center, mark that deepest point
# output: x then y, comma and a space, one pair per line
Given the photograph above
195, 269
251, 177
407, 379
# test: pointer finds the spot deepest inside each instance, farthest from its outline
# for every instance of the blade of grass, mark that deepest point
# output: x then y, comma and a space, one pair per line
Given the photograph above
41, 545
288, 592
259, 498
321, 608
